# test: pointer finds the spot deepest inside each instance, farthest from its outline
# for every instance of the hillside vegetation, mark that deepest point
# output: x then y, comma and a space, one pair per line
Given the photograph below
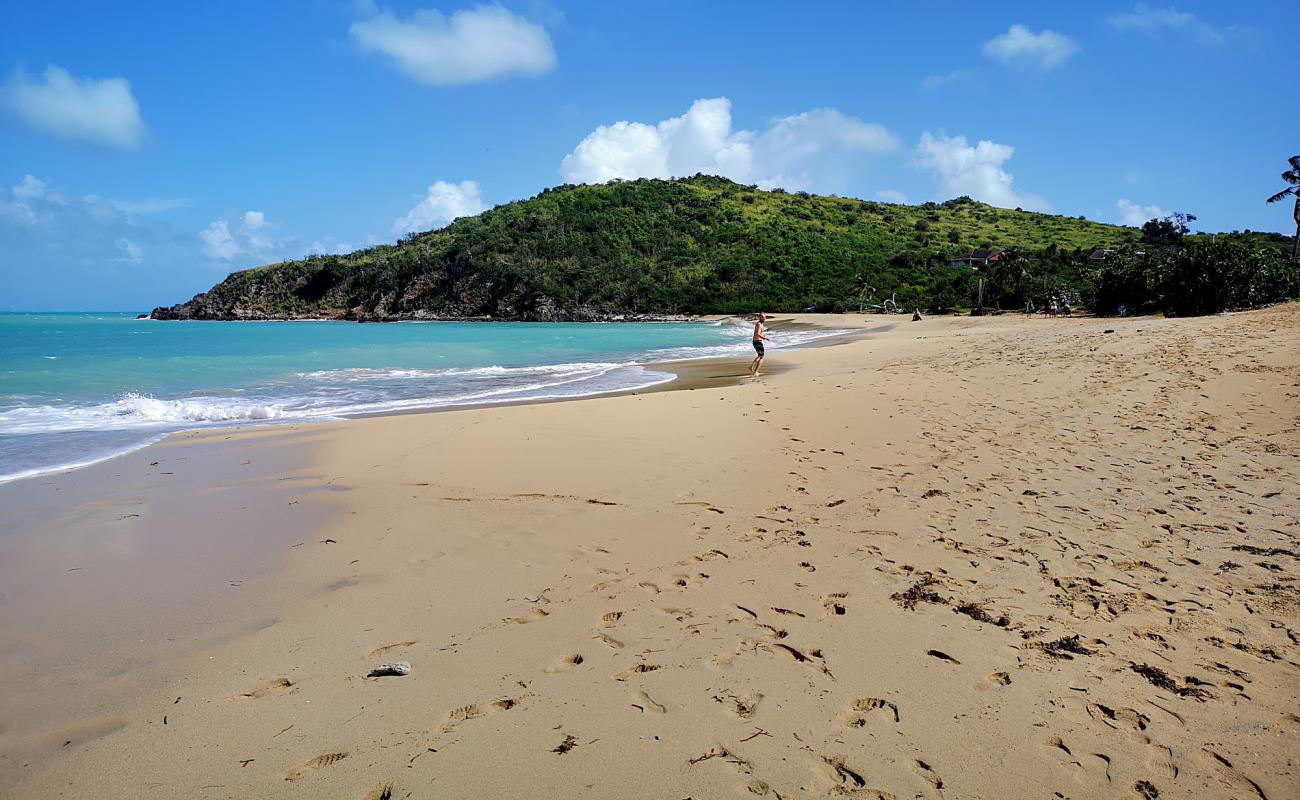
692, 246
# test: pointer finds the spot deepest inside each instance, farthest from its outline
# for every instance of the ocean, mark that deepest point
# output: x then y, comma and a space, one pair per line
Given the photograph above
78, 388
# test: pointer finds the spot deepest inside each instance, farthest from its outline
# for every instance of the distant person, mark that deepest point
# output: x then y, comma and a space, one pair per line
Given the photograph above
916, 315
1051, 307
760, 336
1065, 306
1123, 311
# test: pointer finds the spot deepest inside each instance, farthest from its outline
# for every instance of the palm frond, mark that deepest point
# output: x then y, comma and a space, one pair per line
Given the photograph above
1294, 161
1292, 177
1279, 195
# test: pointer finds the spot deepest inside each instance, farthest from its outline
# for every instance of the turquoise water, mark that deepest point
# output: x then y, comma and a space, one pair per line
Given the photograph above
78, 388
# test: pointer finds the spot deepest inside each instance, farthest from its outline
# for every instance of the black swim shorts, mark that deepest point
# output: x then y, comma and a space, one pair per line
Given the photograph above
758, 345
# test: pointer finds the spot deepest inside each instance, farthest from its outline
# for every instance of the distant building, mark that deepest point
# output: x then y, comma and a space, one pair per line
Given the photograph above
1100, 254
977, 258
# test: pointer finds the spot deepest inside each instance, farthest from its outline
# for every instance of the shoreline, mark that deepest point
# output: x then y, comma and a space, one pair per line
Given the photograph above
618, 570
693, 371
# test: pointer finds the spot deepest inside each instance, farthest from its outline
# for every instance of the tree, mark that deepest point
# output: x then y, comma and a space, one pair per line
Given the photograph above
1167, 231
1292, 176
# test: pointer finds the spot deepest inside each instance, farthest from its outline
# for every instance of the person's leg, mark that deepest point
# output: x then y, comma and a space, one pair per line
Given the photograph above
758, 363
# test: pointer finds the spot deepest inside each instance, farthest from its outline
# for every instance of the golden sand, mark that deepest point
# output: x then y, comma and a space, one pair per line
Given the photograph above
963, 558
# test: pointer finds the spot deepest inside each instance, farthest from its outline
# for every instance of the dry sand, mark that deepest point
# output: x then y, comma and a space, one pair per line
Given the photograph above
964, 558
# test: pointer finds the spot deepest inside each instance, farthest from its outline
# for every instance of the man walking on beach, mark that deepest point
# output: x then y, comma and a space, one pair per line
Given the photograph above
759, 337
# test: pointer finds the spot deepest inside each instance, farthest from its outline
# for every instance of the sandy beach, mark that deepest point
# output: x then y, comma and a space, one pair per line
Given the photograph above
962, 558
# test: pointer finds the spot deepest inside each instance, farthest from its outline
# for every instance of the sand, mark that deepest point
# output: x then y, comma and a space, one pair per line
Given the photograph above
960, 558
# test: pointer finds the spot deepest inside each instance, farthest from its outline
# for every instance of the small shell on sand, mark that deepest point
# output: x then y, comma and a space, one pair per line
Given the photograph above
398, 668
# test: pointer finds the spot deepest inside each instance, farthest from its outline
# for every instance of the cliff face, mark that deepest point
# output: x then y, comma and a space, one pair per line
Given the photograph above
645, 248
294, 291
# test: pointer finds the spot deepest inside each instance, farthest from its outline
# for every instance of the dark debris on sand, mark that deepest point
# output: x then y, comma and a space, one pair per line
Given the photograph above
1161, 680
1063, 647
919, 592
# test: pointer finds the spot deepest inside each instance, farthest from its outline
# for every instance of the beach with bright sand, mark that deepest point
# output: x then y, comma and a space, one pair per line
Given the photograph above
962, 558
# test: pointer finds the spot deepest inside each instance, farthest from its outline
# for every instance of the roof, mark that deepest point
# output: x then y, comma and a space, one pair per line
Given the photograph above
982, 254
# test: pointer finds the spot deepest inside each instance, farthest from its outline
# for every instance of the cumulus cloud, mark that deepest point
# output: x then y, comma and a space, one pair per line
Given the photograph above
103, 112
892, 196
1149, 20
242, 236
467, 47
1019, 45
442, 203
975, 170
64, 250
1131, 213
795, 152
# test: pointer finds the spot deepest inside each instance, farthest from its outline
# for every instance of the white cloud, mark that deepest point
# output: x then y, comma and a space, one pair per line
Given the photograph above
1131, 213
103, 111
130, 251
152, 205
29, 187
467, 47
319, 248
242, 235
1146, 19
61, 249
947, 78
220, 243
892, 196
1020, 45
794, 152
442, 203
962, 169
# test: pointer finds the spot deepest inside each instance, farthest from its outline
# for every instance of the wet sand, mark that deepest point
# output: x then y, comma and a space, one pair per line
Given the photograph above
961, 558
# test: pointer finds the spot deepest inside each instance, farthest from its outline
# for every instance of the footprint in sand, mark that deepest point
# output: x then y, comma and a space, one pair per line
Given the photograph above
1000, 678
1057, 744
1161, 759
270, 688
857, 714
610, 617
847, 779
639, 669
742, 706
1231, 777
383, 791
679, 614
566, 663
647, 704
609, 640
459, 715
319, 762
927, 772
379, 651
771, 631
832, 604
531, 616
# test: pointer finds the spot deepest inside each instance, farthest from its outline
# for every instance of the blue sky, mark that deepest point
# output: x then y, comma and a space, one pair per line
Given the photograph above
147, 150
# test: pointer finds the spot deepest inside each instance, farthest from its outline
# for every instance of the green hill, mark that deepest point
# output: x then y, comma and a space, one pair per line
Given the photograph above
659, 247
